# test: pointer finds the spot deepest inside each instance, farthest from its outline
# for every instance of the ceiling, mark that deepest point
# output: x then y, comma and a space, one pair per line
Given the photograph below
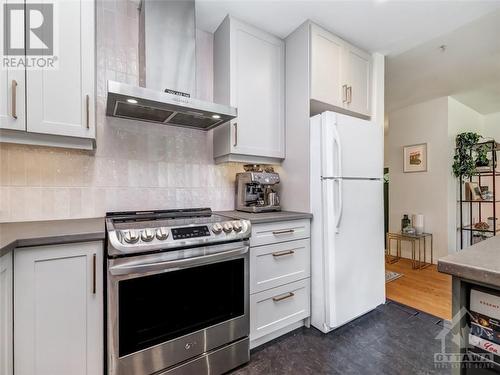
385, 26
468, 69
408, 32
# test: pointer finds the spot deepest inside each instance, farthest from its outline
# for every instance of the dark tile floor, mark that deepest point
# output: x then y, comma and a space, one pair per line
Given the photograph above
393, 339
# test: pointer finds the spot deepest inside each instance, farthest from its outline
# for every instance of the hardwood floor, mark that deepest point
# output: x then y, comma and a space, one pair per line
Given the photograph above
426, 290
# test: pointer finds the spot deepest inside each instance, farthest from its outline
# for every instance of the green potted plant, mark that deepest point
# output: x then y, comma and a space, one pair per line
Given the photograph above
464, 165
482, 156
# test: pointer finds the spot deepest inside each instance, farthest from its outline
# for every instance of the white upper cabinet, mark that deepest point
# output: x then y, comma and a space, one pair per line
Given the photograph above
340, 73
358, 73
58, 310
54, 106
61, 101
249, 74
326, 67
12, 86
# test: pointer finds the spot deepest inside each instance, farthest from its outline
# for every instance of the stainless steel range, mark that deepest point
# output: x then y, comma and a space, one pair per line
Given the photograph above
177, 292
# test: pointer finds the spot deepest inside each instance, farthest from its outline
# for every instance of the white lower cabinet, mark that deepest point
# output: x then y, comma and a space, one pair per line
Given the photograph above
58, 310
6, 321
280, 270
271, 233
276, 308
278, 264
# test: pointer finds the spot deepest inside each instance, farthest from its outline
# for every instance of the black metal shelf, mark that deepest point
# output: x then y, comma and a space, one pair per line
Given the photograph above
478, 201
493, 148
472, 229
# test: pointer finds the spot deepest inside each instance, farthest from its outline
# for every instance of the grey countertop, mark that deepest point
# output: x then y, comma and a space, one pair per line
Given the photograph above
480, 262
37, 233
267, 217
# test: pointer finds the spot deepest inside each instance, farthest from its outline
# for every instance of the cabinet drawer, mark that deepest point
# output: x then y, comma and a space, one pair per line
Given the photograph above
263, 234
278, 307
278, 264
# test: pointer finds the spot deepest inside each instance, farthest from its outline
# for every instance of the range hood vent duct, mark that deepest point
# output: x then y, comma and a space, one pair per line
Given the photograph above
167, 35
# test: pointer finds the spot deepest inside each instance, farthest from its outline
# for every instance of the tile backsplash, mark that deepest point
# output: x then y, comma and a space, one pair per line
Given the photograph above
135, 166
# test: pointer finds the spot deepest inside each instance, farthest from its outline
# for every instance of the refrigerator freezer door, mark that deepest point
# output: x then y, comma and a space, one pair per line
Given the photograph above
351, 147
354, 254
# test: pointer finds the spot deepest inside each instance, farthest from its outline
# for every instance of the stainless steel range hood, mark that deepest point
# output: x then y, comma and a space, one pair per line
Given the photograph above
166, 63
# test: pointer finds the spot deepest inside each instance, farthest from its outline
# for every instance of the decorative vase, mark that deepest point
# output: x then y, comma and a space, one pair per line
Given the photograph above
418, 223
405, 222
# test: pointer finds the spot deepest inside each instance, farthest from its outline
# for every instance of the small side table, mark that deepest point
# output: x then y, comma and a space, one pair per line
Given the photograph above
414, 239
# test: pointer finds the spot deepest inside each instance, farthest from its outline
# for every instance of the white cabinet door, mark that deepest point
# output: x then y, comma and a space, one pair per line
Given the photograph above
358, 78
12, 90
61, 101
326, 67
276, 308
58, 310
278, 264
258, 91
6, 321
249, 73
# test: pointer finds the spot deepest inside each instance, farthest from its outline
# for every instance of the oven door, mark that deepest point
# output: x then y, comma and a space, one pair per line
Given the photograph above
168, 307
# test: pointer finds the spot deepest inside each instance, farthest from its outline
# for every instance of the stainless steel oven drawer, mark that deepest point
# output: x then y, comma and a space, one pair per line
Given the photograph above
218, 361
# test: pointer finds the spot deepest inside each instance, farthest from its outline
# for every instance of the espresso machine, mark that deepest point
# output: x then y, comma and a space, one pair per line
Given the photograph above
256, 190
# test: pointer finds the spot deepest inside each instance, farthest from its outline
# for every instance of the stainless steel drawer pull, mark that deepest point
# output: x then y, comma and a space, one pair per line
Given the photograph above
235, 134
283, 297
349, 94
87, 105
286, 231
94, 261
344, 93
14, 99
283, 253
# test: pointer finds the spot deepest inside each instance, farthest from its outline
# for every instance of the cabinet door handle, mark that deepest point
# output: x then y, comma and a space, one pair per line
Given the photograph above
349, 94
94, 261
283, 296
344, 93
286, 231
283, 253
14, 99
87, 106
235, 134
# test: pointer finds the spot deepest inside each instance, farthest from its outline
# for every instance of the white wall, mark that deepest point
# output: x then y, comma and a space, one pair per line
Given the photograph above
492, 126
423, 192
433, 193
136, 165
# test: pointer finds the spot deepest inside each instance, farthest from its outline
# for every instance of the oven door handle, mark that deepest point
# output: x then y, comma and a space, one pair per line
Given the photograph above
140, 268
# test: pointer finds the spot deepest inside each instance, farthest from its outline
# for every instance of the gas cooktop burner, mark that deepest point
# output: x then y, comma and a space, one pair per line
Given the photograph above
145, 231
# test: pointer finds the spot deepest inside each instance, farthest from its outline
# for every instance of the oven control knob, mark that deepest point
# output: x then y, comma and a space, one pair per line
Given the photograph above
217, 228
130, 236
162, 234
227, 227
237, 226
147, 235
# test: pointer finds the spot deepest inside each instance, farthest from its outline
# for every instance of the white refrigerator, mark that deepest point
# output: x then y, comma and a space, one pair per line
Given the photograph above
347, 239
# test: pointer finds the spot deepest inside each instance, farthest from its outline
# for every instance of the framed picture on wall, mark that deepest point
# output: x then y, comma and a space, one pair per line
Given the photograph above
415, 158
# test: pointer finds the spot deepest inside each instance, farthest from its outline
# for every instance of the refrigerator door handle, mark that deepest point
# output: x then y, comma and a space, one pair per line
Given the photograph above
336, 140
341, 204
